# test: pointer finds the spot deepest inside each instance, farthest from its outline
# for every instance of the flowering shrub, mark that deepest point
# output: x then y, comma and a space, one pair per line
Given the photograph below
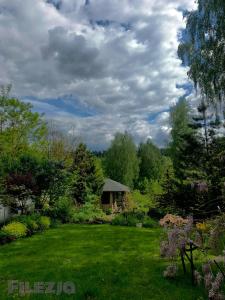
213, 284
202, 227
171, 220
177, 237
178, 233
183, 237
15, 229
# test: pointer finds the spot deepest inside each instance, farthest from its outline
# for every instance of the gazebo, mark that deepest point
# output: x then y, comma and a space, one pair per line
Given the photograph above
114, 193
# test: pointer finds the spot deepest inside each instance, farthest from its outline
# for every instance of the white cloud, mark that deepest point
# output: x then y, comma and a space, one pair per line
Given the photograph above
118, 60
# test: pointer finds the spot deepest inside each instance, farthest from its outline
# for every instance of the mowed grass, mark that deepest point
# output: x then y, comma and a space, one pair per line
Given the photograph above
105, 262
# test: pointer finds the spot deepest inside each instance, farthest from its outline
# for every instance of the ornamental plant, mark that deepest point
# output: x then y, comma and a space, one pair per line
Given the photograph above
44, 222
15, 229
183, 237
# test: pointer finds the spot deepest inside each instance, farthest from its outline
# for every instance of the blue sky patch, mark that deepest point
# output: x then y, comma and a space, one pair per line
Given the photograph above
67, 105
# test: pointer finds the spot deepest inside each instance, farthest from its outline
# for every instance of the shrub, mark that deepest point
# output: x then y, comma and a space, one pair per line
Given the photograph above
132, 218
157, 213
29, 221
119, 220
44, 222
55, 223
15, 229
125, 219
89, 213
143, 201
149, 223
62, 210
108, 211
138, 214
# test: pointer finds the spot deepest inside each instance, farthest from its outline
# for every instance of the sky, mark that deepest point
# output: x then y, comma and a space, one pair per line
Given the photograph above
96, 67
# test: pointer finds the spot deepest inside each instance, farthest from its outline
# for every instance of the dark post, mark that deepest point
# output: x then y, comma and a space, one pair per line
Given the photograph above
192, 264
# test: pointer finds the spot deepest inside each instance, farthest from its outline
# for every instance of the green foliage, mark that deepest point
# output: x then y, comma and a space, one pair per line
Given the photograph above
149, 223
183, 137
121, 220
132, 219
29, 177
15, 229
30, 221
88, 173
88, 213
187, 190
142, 201
121, 161
20, 128
59, 145
203, 48
150, 161
61, 210
44, 222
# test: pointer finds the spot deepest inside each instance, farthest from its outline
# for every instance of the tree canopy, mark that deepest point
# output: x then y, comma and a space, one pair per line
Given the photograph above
202, 48
150, 161
88, 174
20, 127
121, 161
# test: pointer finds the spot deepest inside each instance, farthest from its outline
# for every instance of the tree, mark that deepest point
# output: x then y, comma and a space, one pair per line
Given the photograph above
188, 191
60, 146
203, 48
216, 172
121, 161
180, 123
20, 128
150, 161
89, 176
31, 178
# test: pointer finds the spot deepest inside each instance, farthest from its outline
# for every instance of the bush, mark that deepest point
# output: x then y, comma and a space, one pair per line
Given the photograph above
125, 219
143, 201
55, 223
139, 215
89, 213
15, 229
30, 222
108, 211
149, 223
132, 218
62, 210
44, 222
157, 213
119, 220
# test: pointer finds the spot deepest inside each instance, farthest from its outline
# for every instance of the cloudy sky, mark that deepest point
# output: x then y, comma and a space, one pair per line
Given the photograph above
96, 66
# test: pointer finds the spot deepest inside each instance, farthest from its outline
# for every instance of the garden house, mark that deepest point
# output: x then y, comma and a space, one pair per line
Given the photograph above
114, 194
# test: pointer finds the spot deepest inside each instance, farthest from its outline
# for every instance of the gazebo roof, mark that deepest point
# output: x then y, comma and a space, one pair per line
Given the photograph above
113, 186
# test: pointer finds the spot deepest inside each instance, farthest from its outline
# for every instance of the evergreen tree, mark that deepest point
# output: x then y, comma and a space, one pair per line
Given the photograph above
88, 174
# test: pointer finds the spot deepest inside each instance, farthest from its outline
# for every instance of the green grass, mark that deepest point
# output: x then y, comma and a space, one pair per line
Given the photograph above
105, 263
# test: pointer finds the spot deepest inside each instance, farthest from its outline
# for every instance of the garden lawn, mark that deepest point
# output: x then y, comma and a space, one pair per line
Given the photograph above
105, 262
